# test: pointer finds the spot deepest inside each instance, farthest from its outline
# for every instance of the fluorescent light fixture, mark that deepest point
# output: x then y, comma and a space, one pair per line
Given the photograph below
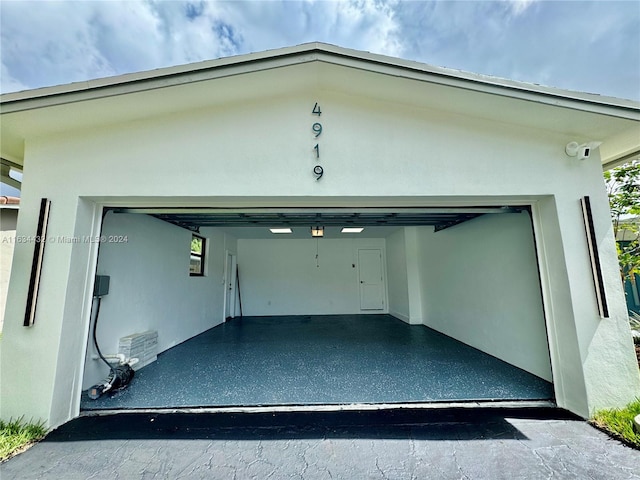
280, 230
351, 230
317, 231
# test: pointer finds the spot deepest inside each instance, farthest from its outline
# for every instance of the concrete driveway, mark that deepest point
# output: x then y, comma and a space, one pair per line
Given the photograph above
389, 444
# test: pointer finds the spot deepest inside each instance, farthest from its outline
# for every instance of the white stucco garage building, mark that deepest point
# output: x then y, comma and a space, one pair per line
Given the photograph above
470, 204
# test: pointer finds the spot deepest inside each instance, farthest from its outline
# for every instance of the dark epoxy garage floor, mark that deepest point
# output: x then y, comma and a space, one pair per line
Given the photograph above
338, 359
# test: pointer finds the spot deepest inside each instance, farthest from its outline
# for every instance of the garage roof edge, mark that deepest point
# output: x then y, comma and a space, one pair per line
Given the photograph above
310, 52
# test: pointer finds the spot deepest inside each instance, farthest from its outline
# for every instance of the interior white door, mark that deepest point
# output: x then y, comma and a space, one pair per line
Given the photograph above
230, 287
370, 276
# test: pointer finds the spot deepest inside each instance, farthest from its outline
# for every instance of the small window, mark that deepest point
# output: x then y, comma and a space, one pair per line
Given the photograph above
196, 264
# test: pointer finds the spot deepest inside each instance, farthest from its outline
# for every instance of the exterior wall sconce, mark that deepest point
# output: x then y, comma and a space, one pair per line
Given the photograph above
317, 232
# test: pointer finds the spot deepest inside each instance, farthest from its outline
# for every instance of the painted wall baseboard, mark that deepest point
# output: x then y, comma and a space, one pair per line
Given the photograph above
400, 316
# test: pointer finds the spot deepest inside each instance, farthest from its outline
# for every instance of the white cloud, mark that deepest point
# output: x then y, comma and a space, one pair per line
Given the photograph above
8, 83
519, 6
370, 26
356, 24
586, 46
593, 46
44, 44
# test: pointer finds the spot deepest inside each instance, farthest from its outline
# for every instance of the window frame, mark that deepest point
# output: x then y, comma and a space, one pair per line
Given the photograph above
202, 255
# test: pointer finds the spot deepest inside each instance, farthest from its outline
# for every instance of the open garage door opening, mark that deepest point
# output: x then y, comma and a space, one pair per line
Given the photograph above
334, 306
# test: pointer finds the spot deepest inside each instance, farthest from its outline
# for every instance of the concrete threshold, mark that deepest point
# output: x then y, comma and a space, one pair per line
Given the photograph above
353, 407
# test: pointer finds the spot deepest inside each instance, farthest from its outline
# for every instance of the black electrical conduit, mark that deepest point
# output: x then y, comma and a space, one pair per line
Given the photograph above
95, 322
120, 376
95, 340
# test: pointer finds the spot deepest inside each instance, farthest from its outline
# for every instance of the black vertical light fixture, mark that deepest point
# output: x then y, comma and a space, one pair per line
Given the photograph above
596, 268
36, 264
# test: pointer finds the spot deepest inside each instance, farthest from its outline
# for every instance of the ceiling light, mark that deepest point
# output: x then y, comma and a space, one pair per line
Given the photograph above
317, 231
280, 230
351, 230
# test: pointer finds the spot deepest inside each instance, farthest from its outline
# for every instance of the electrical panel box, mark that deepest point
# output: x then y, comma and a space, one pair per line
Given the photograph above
101, 286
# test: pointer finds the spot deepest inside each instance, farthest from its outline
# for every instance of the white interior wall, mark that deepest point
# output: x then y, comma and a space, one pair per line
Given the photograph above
398, 287
150, 286
280, 276
414, 275
481, 286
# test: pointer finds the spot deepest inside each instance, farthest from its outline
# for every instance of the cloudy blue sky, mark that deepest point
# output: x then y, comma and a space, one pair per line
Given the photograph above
585, 46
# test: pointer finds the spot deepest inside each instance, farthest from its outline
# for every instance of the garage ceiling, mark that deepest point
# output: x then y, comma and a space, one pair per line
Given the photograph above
195, 218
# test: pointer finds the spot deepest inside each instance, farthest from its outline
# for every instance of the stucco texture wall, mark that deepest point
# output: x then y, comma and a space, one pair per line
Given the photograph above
260, 152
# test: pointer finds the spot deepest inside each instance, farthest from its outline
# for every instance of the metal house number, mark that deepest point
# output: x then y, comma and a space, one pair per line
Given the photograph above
316, 128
